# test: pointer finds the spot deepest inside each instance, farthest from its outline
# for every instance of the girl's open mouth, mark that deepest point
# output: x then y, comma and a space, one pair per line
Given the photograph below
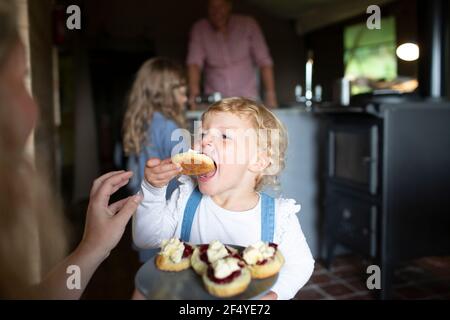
207, 176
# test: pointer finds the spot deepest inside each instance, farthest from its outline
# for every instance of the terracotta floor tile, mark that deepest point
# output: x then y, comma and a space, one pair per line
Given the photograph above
442, 262
425, 278
398, 279
359, 285
412, 292
309, 294
318, 266
308, 285
344, 260
337, 289
321, 278
358, 296
350, 273
437, 287
439, 266
396, 296
414, 275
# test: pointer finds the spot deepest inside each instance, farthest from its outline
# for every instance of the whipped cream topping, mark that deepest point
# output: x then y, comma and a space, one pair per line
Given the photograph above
216, 251
225, 267
173, 249
258, 252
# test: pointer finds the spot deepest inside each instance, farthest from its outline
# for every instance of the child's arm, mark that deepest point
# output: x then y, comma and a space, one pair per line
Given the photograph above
299, 262
156, 219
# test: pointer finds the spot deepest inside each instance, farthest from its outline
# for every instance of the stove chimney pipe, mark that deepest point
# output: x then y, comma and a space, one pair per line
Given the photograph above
433, 44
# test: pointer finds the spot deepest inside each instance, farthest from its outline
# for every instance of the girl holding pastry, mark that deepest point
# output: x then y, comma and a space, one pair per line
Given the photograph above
246, 144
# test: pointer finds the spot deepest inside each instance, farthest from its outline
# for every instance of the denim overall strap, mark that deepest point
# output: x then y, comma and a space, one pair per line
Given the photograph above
267, 217
189, 213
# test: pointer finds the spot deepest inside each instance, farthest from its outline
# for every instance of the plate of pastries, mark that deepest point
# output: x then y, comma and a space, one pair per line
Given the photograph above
184, 271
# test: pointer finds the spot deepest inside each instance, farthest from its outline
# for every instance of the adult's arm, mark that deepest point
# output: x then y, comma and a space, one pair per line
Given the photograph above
270, 97
261, 55
105, 225
194, 74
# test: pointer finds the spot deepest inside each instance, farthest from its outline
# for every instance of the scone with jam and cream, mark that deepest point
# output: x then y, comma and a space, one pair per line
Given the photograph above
195, 163
175, 255
209, 253
263, 259
226, 277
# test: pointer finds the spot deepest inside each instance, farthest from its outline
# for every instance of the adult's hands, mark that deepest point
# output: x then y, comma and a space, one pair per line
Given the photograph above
105, 223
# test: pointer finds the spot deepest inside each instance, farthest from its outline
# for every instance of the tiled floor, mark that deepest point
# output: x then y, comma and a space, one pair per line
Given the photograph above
426, 278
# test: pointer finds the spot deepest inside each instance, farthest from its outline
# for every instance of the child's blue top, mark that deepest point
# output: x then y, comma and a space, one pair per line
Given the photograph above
158, 145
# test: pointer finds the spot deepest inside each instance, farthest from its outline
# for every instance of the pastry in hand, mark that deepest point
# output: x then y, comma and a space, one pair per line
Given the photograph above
226, 277
195, 163
206, 254
263, 259
175, 255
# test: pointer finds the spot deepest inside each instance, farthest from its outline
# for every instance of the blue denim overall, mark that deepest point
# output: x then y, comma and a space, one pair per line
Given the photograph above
267, 216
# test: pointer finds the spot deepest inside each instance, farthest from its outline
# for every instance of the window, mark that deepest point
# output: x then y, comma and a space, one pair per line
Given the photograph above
369, 55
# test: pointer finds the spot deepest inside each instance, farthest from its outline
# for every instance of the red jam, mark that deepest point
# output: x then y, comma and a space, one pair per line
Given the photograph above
228, 279
187, 250
273, 245
203, 253
236, 255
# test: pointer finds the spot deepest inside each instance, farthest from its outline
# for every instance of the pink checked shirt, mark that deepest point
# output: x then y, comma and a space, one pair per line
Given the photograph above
229, 62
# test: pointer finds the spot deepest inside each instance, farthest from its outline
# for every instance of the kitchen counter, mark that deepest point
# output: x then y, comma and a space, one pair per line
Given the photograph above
301, 176
295, 110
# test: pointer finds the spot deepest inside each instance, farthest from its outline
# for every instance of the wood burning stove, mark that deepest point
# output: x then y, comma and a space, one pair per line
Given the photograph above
387, 184
387, 179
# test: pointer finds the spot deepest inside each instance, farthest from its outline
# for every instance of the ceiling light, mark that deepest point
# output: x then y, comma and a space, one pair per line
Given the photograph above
408, 51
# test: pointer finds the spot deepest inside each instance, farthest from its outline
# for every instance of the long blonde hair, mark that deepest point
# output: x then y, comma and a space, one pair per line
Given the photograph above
272, 134
32, 229
152, 90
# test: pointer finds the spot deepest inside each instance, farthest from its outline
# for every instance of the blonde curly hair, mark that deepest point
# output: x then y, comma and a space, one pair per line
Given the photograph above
271, 134
152, 90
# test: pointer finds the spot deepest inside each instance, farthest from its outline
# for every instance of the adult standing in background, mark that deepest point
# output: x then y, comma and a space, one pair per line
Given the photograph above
227, 48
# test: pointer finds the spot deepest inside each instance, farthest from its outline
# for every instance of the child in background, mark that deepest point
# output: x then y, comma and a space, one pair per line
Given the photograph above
155, 109
231, 208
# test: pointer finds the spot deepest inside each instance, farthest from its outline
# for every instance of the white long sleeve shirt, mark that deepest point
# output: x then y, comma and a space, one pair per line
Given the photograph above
157, 219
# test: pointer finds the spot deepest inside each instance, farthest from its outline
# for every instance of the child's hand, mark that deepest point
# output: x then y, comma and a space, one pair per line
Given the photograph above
270, 296
158, 173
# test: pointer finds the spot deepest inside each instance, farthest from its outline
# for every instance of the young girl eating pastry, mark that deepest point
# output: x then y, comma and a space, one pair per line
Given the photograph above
247, 143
